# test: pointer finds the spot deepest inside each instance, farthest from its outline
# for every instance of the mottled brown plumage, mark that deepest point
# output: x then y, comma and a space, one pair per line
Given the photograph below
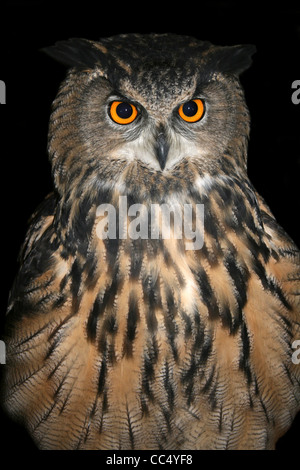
143, 344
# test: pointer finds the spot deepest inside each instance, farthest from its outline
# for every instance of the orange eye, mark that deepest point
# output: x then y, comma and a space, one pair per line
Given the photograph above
122, 112
192, 111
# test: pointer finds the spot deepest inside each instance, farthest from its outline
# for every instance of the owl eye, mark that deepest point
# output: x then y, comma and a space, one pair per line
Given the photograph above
192, 111
122, 112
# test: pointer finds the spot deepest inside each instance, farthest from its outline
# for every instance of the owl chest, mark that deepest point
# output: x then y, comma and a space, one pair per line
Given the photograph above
146, 293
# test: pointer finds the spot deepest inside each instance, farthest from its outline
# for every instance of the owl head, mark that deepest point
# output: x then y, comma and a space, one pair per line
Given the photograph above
134, 107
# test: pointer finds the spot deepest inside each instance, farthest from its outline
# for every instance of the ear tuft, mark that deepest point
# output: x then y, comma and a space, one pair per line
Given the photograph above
75, 52
233, 59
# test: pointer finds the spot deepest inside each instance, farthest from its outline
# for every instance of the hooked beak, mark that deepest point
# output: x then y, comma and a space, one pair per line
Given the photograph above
161, 148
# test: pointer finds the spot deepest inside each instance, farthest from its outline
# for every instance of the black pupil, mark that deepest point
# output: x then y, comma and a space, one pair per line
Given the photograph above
124, 110
190, 108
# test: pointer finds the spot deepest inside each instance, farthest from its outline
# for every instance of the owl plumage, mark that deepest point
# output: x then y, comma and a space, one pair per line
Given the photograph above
140, 343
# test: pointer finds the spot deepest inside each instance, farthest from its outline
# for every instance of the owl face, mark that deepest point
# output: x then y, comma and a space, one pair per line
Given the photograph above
151, 102
191, 121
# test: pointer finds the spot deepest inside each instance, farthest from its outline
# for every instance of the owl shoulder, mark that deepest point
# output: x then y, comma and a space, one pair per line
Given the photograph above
35, 256
39, 222
284, 262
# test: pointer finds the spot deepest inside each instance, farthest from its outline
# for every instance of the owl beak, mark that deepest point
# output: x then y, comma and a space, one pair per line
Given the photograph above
161, 148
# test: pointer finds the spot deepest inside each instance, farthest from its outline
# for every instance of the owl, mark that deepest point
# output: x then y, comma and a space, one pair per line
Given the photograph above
122, 332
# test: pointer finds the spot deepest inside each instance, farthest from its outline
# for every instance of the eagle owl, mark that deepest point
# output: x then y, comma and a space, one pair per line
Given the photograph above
142, 342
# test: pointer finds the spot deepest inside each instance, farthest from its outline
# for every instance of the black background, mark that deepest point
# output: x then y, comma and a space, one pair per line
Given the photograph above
32, 80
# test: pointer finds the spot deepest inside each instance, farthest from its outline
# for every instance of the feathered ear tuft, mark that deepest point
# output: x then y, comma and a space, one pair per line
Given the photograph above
75, 52
233, 59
